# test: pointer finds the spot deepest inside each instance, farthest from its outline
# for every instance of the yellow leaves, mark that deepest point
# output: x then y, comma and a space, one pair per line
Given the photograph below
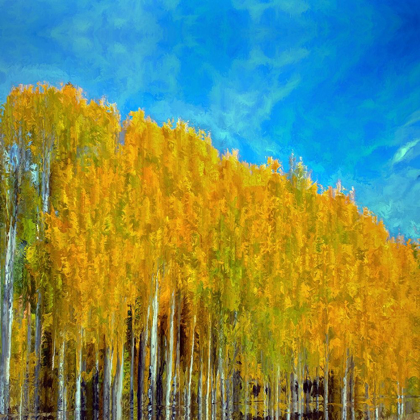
243, 238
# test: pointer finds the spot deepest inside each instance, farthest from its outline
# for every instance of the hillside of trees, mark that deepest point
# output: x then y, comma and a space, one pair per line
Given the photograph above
145, 275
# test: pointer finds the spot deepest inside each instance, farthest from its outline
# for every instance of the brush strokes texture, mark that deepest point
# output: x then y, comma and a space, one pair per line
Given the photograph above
129, 249
335, 81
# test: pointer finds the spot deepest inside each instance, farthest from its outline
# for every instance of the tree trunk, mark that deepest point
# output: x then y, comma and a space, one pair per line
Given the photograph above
107, 383
117, 387
326, 374
60, 401
140, 375
133, 356
78, 397
25, 392
188, 402
170, 359
200, 387
344, 390
177, 388
38, 333
367, 401
222, 384
208, 381
7, 317
213, 380
95, 384
153, 351
276, 397
290, 398
317, 394
352, 388
246, 394
400, 402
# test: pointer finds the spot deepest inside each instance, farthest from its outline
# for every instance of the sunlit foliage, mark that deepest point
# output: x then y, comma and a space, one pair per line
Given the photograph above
143, 274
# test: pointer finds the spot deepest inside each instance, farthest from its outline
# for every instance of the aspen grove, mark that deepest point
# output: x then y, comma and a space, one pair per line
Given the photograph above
145, 275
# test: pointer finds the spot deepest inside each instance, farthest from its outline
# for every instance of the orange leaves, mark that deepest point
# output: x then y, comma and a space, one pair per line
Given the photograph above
260, 247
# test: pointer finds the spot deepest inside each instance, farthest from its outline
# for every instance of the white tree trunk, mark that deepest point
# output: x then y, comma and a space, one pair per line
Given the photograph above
78, 396
265, 397
60, 402
118, 387
7, 317
222, 383
208, 381
170, 359
153, 349
400, 402
188, 402
200, 387
344, 390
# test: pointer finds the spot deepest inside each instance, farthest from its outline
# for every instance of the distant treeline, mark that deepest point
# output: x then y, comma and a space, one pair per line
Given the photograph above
145, 275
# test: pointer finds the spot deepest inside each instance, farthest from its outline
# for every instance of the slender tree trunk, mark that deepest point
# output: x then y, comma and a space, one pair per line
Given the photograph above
176, 405
145, 344
60, 401
213, 380
78, 397
107, 382
290, 396
375, 403
170, 359
200, 387
276, 398
7, 317
400, 403
162, 356
25, 391
309, 386
344, 390
95, 381
117, 387
208, 381
38, 333
84, 394
246, 393
326, 374
140, 375
367, 401
352, 390
153, 351
229, 396
222, 383
188, 402
265, 396
317, 394
132, 359
293, 389
299, 379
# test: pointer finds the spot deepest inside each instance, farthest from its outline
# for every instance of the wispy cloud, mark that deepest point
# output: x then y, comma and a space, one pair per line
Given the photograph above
404, 151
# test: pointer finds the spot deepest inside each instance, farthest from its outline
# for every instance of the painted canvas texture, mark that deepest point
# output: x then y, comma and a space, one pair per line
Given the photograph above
209, 210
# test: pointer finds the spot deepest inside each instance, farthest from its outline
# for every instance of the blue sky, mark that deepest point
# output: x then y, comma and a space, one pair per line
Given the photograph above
336, 82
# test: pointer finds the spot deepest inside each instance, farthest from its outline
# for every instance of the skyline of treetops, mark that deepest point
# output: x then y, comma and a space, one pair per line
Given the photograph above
146, 275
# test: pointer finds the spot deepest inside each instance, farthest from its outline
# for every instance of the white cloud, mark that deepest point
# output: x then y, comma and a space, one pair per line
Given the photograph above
403, 151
